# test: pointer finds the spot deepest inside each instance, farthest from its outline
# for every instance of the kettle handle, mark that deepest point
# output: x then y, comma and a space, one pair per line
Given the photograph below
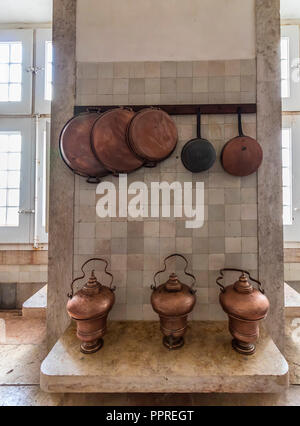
70, 295
154, 287
223, 289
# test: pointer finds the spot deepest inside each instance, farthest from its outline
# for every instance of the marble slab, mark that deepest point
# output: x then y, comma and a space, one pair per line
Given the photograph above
292, 302
36, 305
133, 360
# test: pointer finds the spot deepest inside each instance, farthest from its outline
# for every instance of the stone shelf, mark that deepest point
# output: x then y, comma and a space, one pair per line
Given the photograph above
291, 301
133, 360
36, 305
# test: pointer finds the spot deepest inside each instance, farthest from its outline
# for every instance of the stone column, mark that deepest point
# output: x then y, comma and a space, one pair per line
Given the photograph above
61, 202
270, 226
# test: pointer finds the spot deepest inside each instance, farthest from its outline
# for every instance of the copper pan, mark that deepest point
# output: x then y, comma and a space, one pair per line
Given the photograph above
152, 135
108, 141
75, 148
241, 156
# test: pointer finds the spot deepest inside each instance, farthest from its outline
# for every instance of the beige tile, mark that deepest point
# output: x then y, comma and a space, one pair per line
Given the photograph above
248, 83
216, 84
90, 70
120, 100
105, 70
136, 86
232, 196
135, 245
103, 230
151, 263
216, 68
87, 197
248, 67
184, 85
167, 246
232, 213
151, 229
135, 279
184, 98
248, 195
200, 98
104, 99
152, 85
135, 262
200, 312
216, 229
119, 230
134, 312
167, 229
134, 295
200, 84
168, 85
135, 229
88, 99
149, 314
86, 86
121, 70
249, 245
184, 245
232, 97
105, 86
168, 69
137, 99
249, 228
151, 245
216, 261
120, 86
233, 245
216, 98
249, 261
119, 245
119, 262
248, 97
232, 84
184, 69
249, 211
200, 262
87, 230
152, 69
233, 229
102, 246
216, 245
233, 68
153, 99
216, 213
86, 246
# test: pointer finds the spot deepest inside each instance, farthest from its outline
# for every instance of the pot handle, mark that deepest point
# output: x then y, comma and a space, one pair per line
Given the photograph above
92, 179
70, 295
223, 289
154, 286
241, 133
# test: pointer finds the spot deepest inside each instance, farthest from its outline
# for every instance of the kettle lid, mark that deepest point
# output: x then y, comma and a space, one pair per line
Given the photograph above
173, 285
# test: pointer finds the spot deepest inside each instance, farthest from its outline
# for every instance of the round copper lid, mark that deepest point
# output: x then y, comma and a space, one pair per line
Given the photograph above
75, 146
109, 143
152, 134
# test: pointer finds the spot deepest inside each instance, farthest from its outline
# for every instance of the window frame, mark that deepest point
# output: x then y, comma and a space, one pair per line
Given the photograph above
22, 233
26, 37
292, 33
42, 106
290, 170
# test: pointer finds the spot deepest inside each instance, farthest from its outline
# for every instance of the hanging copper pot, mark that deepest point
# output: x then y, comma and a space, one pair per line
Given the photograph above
75, 147
152, 135
173, 301
89, 307
109, 144
245, 307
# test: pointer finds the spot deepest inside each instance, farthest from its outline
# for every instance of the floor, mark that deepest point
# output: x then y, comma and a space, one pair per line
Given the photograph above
24, 349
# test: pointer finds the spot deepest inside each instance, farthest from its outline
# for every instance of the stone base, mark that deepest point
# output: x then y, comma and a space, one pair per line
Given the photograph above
134, 360
36, 305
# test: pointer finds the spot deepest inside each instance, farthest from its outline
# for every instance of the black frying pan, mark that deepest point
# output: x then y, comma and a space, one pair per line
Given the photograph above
198, 155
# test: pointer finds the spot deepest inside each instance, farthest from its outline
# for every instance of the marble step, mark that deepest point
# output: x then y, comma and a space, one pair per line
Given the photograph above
133, 360
291, 302
36, 305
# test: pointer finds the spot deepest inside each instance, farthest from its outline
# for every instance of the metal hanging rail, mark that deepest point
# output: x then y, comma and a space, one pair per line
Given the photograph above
180, 109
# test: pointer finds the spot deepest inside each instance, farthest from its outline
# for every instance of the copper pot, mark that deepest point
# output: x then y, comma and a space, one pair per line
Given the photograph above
245, 307
89, 307
173, 301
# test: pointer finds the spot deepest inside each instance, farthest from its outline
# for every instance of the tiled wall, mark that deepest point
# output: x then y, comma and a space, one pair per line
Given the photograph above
136, 248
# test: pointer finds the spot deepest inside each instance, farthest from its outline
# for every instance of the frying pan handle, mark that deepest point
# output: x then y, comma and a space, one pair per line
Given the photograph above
199, 124
93, 180
240, 122
93, 109
154, 286
223, 289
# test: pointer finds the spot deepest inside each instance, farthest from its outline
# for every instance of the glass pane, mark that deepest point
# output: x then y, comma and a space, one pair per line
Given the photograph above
286, 178
285, 89
4, 73
14, 162
286, 158
3, 92
15, 92
287, 215
284, 48
3, 197
284, 69
48, 92
12, 216
2, 216
287, 196
13, 179
49, 72
3, 143
3, 161
49, 51
3, 179
286, 136
15, 73
13, 198
4, 53
14, 144
16, 52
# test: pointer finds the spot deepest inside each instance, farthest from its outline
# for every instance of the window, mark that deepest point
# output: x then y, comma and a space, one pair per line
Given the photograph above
287, 176
285, 67
24, 139
290, 67
16, 48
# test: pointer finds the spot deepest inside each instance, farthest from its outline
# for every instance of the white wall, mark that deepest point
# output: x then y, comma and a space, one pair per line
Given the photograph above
158, 30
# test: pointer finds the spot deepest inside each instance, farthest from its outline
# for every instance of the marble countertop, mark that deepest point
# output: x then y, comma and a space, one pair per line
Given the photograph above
133, 359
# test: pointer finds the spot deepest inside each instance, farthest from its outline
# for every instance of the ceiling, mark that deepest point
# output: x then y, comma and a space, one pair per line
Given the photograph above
290, 9
25, 11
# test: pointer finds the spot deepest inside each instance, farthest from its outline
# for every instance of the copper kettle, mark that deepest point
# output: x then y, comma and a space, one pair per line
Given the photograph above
245, 307
173, 301
89, 307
